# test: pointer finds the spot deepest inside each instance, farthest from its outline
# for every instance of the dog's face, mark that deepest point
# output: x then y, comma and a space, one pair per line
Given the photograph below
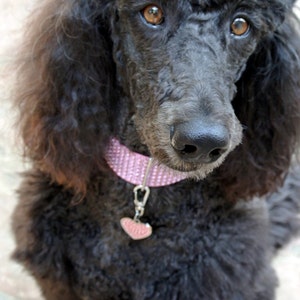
180, 61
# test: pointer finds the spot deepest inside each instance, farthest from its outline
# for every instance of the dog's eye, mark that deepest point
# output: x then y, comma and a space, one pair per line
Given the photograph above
153, 14
239, 27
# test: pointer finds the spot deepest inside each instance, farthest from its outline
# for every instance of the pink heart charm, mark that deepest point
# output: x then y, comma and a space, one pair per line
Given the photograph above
136, 230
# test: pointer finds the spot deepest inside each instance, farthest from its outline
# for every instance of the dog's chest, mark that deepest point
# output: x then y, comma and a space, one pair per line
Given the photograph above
181, 234
190, 238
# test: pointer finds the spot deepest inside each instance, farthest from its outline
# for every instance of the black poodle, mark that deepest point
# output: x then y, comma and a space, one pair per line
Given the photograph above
150, 126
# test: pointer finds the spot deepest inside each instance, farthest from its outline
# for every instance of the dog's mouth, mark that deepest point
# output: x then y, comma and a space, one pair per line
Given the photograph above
191, 164
192, 169
195, 147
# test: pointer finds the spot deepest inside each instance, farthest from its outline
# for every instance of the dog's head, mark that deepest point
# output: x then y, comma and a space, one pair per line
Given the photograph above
206, 82
181, 62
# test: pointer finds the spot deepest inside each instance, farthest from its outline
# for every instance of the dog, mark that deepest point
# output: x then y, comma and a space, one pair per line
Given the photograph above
162, 136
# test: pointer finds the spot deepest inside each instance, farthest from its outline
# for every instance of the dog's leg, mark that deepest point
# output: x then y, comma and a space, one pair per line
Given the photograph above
284, 208
38, 247
55, 290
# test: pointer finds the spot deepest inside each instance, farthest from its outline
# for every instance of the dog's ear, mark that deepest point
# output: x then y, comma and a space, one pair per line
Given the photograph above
65, 86
268, 106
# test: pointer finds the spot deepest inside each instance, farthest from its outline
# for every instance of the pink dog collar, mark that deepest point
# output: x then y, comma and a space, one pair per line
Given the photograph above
132, 167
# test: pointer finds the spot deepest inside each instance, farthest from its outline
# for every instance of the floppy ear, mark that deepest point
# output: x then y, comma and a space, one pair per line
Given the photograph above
65, 89
268, 105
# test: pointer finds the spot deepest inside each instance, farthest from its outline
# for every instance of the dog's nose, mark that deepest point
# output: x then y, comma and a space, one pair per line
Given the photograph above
199, 141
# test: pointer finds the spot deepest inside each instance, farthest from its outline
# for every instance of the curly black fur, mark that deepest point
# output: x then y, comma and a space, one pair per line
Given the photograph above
95, 70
